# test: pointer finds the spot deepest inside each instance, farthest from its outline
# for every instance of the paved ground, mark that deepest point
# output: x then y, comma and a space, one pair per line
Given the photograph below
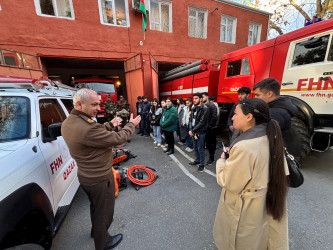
178, 210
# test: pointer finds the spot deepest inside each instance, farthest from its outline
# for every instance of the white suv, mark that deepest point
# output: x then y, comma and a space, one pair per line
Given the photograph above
38, 177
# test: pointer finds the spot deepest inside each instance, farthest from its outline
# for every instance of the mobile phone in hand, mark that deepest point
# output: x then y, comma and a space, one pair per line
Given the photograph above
225, 151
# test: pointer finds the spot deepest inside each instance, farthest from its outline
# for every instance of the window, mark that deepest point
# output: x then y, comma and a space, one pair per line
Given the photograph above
312, 50
50, 112
68, 104
14, 118
114, 12
160, 15
228, 29
254, 33
99, 87
330, 54
12, 58
245, 66
197, 22
234, 68
238, 67
18, 59
57, 8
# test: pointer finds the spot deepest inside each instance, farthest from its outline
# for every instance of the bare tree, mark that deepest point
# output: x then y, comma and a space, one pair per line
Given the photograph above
285, 13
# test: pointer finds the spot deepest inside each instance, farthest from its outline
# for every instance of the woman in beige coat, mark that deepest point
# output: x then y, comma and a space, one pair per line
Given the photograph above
252, 210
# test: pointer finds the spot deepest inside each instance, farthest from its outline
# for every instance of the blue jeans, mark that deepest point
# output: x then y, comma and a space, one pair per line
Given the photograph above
199, 148
157, 134
189, 139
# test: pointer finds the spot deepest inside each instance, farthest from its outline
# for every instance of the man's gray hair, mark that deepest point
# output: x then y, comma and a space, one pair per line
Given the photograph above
82, 95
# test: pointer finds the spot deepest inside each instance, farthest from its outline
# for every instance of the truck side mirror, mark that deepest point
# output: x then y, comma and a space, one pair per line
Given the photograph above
54, 130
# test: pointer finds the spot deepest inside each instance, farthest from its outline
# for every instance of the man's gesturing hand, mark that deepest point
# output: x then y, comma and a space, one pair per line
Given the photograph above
116, 121
135, 120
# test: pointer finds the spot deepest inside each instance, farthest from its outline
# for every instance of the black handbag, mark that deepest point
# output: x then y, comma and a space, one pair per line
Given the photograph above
295, 176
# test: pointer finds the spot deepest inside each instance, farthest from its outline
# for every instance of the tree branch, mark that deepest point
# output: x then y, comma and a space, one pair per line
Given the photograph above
319, 8
300, 10
329, 7
274, 26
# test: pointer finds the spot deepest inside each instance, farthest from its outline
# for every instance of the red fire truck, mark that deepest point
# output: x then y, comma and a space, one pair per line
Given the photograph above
103, 87
301, 60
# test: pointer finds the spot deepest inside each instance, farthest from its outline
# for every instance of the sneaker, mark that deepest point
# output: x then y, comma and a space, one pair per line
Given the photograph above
187, 148
155, 142
201, 168
158, 144
209, 162
180, 143
193, 163
190, 150
165, 150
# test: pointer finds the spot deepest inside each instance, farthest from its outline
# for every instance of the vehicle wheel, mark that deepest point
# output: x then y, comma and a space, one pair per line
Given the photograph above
298, 139
32, 229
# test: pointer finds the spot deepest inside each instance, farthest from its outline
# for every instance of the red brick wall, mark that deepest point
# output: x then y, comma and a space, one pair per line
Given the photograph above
23, 30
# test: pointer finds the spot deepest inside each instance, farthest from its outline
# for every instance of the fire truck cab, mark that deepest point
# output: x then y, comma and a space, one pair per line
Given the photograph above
302, 61
103, 87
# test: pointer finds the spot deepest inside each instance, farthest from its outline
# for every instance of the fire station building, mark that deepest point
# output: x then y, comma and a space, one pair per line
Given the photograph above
62, 39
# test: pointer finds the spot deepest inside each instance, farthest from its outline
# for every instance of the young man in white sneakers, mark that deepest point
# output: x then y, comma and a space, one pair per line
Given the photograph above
187, 114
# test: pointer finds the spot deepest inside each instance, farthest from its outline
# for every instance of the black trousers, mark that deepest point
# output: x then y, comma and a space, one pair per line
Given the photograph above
211, 142
170, 140
101, 197
146, 124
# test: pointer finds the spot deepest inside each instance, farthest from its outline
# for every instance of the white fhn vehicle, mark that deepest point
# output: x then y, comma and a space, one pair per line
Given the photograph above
38, 177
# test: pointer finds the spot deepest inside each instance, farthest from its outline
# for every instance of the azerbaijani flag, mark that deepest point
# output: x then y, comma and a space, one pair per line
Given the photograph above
144, 15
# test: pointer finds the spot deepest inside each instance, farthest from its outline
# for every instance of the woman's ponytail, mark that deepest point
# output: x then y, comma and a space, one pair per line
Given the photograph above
277, 184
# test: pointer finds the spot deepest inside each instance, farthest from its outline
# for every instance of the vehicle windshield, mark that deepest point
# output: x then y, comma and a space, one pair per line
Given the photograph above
99, 87
14, 118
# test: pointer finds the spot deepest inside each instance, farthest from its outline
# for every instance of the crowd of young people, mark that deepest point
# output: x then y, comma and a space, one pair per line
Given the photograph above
194, 120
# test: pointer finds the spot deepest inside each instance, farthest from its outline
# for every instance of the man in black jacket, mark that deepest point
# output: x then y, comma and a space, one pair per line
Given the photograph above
197, 129
138, 111
144, 114
211, 129
281, 108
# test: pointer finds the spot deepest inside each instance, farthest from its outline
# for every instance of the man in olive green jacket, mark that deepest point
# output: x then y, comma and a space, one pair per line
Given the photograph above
90, 144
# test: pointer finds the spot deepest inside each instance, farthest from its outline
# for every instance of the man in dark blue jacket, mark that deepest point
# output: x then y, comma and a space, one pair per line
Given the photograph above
281, 108
198, 126
145, 116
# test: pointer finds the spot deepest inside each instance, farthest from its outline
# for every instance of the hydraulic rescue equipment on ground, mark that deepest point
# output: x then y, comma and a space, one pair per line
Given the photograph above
120, 155
136, 175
